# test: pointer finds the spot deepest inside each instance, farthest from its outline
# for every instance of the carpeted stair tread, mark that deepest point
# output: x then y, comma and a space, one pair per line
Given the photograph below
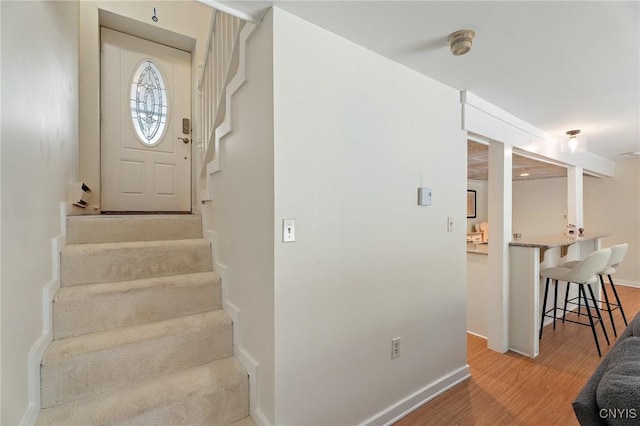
78, 367
109, 262
91, 308
121, 228
211, 394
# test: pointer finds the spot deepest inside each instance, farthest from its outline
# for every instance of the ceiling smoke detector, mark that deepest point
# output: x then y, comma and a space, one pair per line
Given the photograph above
460, 42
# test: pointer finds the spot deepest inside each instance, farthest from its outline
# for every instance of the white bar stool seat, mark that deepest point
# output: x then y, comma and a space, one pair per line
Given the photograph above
583, 273
618, 253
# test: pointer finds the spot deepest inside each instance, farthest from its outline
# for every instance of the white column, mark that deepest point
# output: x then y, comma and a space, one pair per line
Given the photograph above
500, 163
574, 196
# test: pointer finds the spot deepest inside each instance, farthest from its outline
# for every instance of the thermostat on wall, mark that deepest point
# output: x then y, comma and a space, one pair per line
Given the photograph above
424, 196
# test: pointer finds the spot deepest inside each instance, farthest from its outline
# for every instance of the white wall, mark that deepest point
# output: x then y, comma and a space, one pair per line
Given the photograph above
539, 206
241, 217
482, 197
39, 144
183, 18
355, 136
613, 206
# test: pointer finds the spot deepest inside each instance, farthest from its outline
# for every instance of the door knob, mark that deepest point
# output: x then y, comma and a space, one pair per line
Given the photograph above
184, 140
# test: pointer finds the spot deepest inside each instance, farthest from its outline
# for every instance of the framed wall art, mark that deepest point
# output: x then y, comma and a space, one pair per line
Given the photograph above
471, 203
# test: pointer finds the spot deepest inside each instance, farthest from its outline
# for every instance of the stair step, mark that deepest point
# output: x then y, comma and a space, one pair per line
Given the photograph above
213, 394
91, 308
79, 367
112, 262
112, 229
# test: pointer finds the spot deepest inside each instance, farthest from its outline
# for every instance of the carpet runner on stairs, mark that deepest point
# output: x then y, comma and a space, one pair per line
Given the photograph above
139, 334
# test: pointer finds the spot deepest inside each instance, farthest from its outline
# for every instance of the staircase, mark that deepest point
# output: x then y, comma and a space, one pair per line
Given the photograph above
139, 334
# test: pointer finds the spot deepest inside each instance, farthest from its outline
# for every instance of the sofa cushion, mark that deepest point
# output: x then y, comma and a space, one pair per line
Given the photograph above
635, 327
618, 392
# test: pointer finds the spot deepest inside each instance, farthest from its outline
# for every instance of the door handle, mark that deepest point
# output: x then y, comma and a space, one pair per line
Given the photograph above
184, 140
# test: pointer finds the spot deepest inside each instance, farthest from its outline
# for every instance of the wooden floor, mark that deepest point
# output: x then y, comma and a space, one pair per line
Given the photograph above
510, 389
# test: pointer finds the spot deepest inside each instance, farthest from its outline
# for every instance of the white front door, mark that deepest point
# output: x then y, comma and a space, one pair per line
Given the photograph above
145, 144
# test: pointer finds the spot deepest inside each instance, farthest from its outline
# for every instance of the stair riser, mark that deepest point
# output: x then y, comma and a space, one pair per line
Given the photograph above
80, 376
92, 264
76, 314
107, 229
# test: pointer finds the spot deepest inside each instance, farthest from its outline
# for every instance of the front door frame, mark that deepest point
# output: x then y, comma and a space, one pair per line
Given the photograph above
93, 15
168, 162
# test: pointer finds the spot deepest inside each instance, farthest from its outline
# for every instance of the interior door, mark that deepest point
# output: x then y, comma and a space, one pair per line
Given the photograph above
145, 125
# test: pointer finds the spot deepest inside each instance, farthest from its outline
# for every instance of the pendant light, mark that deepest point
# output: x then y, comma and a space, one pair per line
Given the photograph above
573, 143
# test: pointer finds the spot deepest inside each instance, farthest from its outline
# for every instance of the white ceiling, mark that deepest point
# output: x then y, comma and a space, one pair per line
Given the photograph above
559, 65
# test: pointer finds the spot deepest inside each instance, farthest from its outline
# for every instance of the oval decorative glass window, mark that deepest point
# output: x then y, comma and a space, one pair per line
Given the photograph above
148, 103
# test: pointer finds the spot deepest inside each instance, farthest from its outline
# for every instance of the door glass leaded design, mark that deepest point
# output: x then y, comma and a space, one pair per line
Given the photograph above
148, 103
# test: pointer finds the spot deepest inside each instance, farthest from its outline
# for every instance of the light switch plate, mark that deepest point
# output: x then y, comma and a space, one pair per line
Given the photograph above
288, 230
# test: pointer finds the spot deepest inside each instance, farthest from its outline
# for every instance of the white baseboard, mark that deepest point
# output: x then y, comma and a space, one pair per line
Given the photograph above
239, 351
419, 398
626, 283
477, 335
249, 364
34, 358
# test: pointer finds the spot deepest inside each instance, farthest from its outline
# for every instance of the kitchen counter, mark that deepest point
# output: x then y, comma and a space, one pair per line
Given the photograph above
545, 242
558, 240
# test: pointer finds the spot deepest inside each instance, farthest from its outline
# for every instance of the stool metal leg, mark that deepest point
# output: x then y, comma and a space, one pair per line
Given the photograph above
544, 307
566, 298
555, 303
579, 305
615, 293
606, 300
593, 328
595, 305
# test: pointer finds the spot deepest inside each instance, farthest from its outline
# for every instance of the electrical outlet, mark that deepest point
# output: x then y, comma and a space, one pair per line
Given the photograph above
395, 348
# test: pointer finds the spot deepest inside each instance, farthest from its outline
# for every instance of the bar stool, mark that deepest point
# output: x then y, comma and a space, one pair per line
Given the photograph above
583, 273
617, 256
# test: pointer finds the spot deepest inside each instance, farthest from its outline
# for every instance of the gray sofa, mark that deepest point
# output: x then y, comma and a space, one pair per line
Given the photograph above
611, 396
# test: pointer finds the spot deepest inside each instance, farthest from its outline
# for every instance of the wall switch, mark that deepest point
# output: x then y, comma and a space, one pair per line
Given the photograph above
449, 224
288, 230
395, 348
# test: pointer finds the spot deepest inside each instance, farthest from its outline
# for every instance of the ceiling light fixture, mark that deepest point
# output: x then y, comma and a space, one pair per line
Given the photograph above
461, 41
524, 174
572, 143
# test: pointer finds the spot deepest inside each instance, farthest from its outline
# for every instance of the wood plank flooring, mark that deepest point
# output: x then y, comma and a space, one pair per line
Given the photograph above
510, 389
